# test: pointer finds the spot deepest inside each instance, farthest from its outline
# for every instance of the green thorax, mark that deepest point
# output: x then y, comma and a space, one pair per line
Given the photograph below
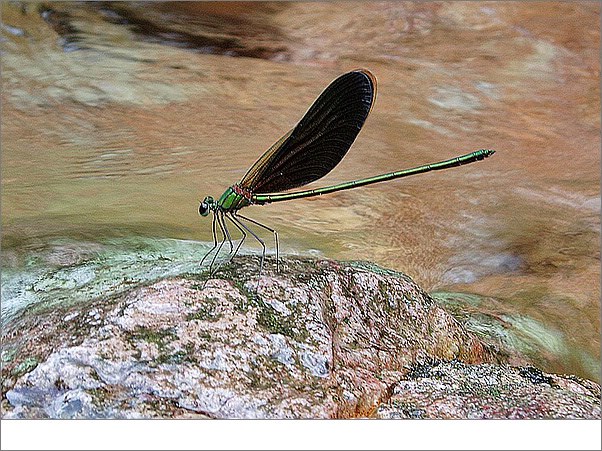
232, 201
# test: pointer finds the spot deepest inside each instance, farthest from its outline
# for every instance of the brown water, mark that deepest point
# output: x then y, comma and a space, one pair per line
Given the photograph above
118, 118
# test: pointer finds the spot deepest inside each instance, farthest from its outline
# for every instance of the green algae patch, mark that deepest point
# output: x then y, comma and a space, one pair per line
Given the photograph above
175, 358
276, 323
157, 336
25, 366
8, 355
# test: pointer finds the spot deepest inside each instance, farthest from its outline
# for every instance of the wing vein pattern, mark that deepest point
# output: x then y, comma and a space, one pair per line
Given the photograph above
319, 141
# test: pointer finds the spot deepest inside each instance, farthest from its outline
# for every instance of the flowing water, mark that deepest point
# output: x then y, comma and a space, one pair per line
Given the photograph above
118, 117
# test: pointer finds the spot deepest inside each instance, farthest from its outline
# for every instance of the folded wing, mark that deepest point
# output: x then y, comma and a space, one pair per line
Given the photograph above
320, 140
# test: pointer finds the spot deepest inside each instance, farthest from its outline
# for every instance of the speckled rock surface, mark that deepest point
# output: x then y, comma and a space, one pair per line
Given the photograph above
456, 390
320, 339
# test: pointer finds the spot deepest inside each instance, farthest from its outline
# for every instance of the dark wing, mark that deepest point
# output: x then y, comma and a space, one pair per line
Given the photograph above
320, 140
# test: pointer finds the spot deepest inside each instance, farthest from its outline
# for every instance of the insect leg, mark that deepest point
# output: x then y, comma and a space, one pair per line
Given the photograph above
214, 240
271, 230
211, 270
236, 218
244, 235
224, 227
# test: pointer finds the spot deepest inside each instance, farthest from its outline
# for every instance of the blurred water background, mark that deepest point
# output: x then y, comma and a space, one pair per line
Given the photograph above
118, 117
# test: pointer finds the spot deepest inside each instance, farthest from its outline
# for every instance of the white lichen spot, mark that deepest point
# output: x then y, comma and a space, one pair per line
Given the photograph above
70, 316
317, 364
278, 306
281, 351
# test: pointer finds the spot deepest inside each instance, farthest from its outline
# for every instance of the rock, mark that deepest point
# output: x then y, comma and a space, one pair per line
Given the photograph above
320, 339
485, 391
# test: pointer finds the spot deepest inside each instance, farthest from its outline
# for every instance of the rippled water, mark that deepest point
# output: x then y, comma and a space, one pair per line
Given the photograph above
118, 117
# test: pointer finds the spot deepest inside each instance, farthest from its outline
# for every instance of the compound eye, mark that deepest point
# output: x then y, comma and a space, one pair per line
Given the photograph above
203, 209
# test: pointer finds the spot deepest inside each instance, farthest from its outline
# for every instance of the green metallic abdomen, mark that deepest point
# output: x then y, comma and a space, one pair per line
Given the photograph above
230, 201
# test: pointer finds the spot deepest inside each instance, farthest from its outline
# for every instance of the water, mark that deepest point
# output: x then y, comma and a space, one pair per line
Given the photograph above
118, 118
